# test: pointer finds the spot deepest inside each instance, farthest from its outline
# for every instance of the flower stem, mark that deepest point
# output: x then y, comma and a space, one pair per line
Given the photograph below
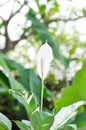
42, 92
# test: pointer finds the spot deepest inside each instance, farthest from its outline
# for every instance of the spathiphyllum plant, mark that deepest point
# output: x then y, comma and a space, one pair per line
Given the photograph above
38, 118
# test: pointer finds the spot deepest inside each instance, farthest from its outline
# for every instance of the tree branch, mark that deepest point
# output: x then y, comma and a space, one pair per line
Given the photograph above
23, 36
8, 43
64, 20
12, 44
13, 14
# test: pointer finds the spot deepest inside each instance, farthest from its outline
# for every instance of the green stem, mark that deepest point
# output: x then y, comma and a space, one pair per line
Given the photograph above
42, 91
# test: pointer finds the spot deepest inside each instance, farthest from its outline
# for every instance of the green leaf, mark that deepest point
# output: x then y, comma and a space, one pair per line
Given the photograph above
28, 80
5, 122
4, 80
28, 77
80, 120
66, 127
75, 92
2, 128
15, 84
42, 9
27, 100
45, 35
65, 114
3, 63
33, 82
26, 122
3, 91
22, 126
79, 84
41, 120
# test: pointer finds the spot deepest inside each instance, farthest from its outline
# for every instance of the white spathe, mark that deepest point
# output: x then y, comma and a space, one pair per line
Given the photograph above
43, 60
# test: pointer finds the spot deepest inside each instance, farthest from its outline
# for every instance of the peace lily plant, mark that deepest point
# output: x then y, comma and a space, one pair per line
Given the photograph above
39, 119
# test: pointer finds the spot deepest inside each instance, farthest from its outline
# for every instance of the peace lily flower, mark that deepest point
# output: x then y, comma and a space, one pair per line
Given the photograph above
43, 59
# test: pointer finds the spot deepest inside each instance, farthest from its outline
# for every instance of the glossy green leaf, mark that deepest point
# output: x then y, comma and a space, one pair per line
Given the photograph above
65, 114
22, 126
75, 92
28, 80
41, 120
26, 122
80, 120
4, 80
33, 82
27, 100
